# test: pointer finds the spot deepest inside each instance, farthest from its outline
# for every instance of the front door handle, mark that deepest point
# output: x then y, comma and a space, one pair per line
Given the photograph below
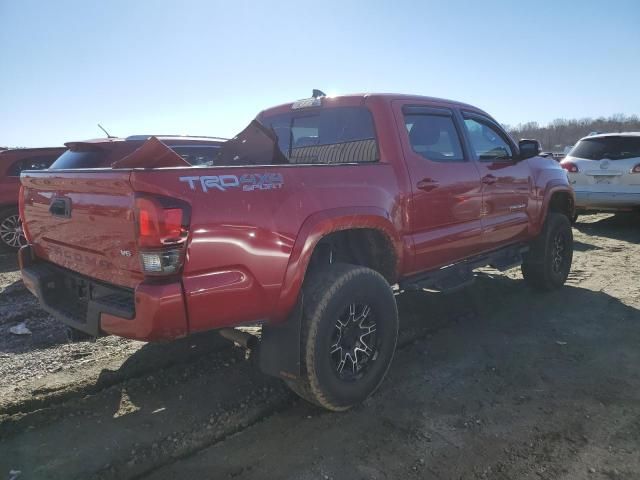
427, 184
489, 179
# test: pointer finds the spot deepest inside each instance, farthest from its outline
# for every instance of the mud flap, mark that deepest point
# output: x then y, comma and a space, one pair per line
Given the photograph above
279, 350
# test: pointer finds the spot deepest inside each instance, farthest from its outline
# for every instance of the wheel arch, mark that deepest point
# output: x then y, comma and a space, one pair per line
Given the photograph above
557, 198
371, 224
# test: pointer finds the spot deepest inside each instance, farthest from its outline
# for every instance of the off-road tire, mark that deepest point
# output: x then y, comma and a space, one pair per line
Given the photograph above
326, 294
544, 267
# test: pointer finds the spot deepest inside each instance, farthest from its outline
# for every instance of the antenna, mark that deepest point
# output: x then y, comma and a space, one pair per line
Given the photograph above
105, 131
318, 93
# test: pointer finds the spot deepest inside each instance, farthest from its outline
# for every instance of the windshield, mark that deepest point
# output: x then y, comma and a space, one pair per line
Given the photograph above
79, 159
612, 148
196, 155
320, 136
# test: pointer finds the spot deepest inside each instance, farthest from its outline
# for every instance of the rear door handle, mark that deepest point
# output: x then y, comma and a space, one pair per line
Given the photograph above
489, 179
427, 184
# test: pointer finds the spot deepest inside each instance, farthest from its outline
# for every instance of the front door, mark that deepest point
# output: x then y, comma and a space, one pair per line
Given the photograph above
446, 192
506, 186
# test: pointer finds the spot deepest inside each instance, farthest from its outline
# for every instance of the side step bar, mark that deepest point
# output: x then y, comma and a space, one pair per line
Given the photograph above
244, 339
459, 275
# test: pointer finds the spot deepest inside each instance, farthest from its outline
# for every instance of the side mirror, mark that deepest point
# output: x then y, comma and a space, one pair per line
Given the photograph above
529, 148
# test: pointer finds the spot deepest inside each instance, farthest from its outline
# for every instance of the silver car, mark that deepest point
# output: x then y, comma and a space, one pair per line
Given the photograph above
604, 171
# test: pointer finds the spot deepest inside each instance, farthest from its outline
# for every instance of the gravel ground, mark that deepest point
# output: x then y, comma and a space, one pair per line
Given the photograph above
495, 381
38, 363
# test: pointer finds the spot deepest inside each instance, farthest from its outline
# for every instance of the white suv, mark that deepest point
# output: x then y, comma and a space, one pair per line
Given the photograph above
604, 171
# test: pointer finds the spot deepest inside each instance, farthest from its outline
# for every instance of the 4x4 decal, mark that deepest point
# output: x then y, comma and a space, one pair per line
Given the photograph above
248, 182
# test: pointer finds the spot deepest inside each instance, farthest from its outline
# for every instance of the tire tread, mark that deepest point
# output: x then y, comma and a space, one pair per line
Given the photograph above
318, 292
534, 268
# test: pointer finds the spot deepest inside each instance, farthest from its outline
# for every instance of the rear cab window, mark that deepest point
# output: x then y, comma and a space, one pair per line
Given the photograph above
331, 135
309, 136
611, 148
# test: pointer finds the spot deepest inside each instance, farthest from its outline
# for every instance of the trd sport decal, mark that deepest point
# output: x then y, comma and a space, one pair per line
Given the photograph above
248, 182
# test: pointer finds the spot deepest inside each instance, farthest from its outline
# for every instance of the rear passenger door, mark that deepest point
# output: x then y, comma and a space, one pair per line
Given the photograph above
506, 186
446, 195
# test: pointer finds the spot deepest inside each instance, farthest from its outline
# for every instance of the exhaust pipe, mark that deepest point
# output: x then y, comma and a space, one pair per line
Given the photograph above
243, 339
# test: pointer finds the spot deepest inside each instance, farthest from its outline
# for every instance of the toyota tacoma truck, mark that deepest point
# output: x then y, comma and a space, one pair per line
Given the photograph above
310, 220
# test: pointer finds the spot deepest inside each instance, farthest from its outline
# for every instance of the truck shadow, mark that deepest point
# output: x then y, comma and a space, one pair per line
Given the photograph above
157, 407
516, 381
621, 226
8, 262
495, 305
579, 246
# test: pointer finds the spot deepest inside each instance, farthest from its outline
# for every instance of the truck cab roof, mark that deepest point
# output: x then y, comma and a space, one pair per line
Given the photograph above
361, 98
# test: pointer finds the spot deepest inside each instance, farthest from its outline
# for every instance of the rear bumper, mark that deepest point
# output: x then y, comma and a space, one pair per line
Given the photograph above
606, 200
150, 312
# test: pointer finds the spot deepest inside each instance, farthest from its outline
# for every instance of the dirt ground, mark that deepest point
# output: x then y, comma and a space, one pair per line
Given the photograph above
494, 382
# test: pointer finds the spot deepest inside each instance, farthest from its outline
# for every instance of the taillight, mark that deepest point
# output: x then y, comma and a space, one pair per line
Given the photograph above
162, 231
569, 167
636, 169
162, 262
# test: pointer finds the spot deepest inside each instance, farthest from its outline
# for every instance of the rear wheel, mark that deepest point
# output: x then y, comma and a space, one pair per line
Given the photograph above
349, 334
11, 234
546, 266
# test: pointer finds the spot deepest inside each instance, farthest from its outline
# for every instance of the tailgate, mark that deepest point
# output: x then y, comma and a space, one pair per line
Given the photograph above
83, 221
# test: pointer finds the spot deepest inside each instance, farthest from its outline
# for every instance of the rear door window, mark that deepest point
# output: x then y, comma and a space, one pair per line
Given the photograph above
325, 136
434, 137
612, 148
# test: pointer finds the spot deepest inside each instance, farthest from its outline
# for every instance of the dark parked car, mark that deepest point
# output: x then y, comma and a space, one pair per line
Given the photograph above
103, 152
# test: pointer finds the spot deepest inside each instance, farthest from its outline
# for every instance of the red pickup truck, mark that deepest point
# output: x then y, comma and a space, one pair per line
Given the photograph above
308, 221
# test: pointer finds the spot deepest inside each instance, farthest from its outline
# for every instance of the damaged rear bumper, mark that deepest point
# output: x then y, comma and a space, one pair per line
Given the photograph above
150, 312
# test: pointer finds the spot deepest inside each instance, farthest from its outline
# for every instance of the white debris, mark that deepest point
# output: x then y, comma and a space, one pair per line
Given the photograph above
14, 474
20, 329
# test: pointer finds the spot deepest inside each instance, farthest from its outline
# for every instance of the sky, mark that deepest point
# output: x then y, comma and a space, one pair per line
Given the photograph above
208, 67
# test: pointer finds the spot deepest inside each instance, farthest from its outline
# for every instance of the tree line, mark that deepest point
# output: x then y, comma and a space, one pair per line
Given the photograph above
562, 133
